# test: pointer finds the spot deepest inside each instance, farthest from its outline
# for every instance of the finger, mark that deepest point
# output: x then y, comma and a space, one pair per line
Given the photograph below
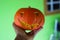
19, 30
37, 30
14, 25
33, 32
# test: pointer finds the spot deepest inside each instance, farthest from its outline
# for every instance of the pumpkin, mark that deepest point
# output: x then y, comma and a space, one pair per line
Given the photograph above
29, 18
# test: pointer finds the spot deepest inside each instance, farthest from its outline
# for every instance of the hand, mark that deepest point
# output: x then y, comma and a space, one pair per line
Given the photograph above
22, 35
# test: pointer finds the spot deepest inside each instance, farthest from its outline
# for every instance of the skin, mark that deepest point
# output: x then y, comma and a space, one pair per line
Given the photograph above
22, 35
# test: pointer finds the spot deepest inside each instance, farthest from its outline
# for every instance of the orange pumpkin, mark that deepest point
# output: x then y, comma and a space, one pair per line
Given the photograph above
29, 18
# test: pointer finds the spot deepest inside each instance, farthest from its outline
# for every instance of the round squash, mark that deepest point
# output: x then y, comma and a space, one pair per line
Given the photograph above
29, 18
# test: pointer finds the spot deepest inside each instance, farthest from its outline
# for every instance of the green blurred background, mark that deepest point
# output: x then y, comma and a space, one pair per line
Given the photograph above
8, 9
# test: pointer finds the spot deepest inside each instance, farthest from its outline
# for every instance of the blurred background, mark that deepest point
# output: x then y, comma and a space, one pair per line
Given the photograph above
8, 8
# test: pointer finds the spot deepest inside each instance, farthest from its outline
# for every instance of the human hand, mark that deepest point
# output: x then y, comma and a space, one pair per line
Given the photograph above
22, 35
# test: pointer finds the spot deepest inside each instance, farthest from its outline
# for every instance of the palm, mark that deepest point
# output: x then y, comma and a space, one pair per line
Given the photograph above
22, 35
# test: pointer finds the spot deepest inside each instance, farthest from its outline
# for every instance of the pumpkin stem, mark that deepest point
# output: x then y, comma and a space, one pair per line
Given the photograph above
29, 6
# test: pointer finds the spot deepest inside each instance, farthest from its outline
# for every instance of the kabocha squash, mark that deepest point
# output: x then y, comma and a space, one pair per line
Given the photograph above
29, 18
